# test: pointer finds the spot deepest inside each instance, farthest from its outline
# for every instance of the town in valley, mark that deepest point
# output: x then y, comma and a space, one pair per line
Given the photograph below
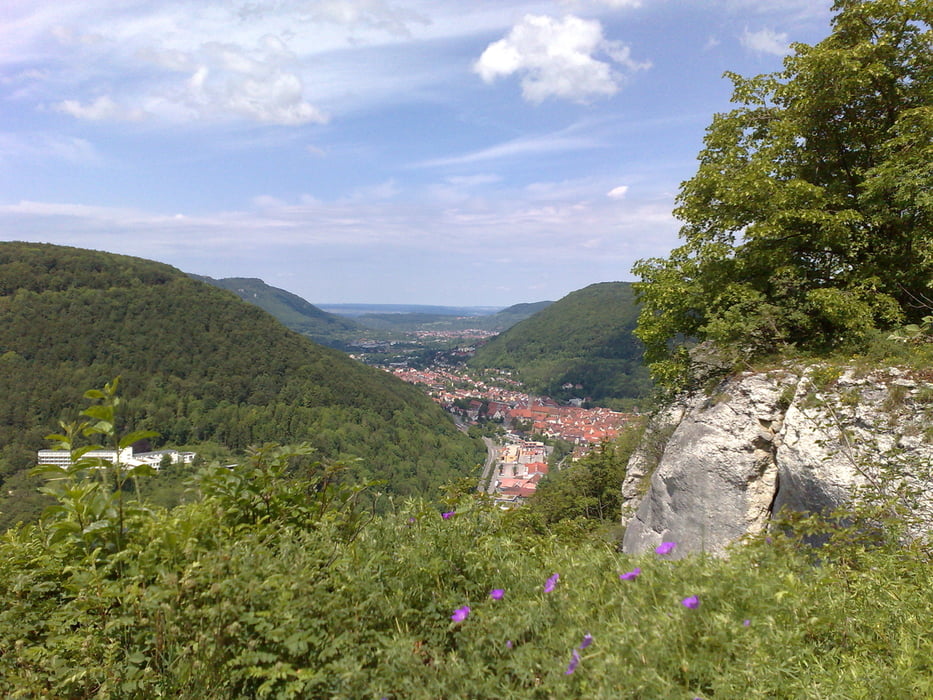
526, 428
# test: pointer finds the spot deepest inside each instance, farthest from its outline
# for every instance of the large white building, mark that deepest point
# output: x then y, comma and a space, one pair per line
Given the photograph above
127, 457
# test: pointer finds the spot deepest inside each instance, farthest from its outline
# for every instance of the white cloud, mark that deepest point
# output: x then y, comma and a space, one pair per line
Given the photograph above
260, 92
254, 84
176, 62
287, 62
543, 220
213, 81
474, 180
614, 4
61, 209
101, 109
557, 58
548, 143
766, 41
618, 192
368, 14
37, 146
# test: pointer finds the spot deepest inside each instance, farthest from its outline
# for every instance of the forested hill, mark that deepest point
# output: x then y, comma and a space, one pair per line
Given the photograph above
293, 311
585, 339
196, 364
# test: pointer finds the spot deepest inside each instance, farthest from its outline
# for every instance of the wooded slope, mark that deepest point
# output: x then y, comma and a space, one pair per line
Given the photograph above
196, 364
584, 339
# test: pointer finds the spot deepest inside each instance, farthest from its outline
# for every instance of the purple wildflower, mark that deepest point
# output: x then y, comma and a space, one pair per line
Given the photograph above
574, 660
746, 623
461, 614
587, 640
691, 602
508, 644
496, 593
551, 583
665, 548
448, 515
631, 575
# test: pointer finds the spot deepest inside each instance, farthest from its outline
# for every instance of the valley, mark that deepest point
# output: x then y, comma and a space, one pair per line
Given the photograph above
543, 383
521, 430
580, 344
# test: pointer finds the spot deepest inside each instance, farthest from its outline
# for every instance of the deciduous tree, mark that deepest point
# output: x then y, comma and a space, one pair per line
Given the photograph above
809, 221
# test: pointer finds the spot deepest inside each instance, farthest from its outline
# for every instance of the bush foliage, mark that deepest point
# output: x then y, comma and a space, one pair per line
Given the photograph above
279, 583
196, 609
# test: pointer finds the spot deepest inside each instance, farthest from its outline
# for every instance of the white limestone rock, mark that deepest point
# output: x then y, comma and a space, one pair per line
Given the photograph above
801, 439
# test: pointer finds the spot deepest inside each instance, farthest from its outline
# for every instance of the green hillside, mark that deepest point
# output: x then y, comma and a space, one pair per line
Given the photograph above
585, 340
197, 365
291, 310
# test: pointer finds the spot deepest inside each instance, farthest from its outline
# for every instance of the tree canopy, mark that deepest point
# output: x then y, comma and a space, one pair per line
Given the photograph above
809, 222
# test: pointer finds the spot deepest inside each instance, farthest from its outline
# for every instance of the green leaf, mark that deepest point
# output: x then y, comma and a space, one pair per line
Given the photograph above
134, 437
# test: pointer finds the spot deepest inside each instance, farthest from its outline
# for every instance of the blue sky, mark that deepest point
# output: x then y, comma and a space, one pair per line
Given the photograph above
458, 152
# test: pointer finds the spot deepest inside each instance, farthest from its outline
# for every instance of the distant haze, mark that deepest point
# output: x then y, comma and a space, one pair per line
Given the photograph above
362, 309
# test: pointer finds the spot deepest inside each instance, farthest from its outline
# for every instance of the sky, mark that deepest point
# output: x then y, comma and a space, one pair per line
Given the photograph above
448, 152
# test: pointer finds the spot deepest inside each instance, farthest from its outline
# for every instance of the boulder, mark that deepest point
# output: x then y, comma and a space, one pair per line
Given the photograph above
804, 439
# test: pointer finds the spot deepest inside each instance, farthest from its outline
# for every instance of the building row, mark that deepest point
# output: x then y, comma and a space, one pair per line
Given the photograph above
127, 457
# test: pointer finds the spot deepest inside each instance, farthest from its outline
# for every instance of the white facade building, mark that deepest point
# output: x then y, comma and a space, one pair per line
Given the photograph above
128, 458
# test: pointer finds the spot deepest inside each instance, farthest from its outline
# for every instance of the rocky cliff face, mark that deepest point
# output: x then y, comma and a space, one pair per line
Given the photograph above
715, 467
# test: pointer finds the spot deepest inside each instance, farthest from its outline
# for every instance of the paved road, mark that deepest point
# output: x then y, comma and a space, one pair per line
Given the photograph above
491, 458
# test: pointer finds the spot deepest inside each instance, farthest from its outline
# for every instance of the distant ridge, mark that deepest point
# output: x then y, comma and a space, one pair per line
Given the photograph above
408, 318
362, 309
291, 310
341, 325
